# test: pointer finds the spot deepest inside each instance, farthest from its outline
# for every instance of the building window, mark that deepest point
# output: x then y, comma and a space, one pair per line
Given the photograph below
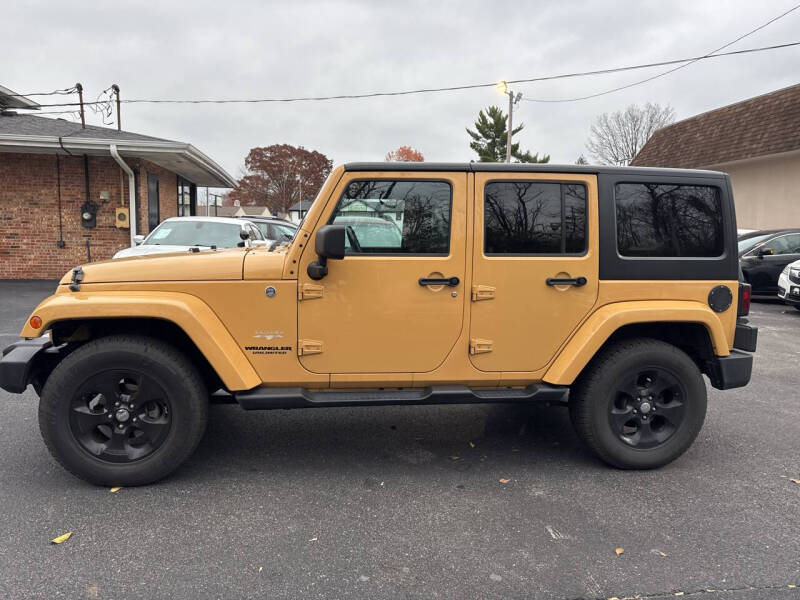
534, 217
395, 216
668, 220
187, 198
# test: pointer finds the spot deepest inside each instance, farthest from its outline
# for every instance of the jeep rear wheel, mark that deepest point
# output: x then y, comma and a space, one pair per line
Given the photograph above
123, 410
640, 404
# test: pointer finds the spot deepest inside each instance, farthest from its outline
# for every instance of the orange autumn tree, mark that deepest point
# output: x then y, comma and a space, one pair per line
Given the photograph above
405, 154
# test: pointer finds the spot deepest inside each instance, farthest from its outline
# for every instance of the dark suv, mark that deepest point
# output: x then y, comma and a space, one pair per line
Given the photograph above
764, 254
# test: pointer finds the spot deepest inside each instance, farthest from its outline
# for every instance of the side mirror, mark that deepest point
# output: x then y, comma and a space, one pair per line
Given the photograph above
138, 239
245, 235
329, 243
762, 252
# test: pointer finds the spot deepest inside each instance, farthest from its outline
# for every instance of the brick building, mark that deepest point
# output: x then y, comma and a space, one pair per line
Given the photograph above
757, 142
54, 173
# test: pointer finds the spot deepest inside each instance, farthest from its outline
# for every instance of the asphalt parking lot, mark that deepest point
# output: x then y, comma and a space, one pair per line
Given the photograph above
407, 502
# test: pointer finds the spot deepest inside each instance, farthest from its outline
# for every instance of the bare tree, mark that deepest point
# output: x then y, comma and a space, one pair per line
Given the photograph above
616, 138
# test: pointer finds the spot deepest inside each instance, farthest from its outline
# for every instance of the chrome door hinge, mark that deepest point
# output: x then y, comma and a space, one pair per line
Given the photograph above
482, 292
479, 346
306, 347
309, 291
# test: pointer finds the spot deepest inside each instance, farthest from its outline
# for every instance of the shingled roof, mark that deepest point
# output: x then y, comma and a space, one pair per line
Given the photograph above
768, 124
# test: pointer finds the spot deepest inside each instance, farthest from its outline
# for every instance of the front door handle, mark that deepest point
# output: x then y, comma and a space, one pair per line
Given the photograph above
451, 281
577, 281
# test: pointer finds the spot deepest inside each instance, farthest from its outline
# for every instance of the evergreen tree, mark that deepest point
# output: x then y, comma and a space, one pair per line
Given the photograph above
490, 137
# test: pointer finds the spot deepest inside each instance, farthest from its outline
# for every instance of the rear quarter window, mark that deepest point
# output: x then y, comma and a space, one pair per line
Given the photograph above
669, 220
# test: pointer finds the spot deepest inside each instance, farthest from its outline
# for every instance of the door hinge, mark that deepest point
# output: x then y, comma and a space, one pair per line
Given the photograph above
482, 292
479, 346
309, 291
306, 347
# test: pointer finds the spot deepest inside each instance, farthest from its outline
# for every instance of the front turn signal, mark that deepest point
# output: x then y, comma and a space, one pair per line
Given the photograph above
36, 322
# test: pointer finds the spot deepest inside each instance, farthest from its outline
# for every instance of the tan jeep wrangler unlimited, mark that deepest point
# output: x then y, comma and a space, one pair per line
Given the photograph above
608, 290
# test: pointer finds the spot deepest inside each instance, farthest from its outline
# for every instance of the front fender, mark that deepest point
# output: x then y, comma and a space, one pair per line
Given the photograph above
188, 312
606, 320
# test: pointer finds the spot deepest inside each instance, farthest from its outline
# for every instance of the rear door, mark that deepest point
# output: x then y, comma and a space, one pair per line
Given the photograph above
535, 264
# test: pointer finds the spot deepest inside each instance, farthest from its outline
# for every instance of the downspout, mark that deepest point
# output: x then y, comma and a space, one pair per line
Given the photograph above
131, 191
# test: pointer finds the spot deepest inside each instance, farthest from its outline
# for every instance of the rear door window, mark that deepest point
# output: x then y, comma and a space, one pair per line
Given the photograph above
534, 217
668, 220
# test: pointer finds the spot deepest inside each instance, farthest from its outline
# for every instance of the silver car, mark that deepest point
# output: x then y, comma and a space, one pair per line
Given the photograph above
178, 234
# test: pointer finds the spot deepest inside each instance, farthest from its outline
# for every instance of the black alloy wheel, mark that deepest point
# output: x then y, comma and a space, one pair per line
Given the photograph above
123, 410
120, 416
647, 407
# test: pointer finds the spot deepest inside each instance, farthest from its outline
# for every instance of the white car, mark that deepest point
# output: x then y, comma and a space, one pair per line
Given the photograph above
789, 284
178, 234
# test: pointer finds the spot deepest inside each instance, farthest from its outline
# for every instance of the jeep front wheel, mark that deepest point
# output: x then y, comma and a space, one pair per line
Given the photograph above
640, 404
123, 410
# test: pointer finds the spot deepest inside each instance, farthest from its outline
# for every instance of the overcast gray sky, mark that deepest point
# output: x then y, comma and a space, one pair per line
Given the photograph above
196, 49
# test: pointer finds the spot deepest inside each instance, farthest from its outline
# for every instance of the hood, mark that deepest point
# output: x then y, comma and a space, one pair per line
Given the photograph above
206, 265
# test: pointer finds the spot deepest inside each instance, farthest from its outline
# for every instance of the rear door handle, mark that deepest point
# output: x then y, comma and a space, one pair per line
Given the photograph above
451, 281
577, 281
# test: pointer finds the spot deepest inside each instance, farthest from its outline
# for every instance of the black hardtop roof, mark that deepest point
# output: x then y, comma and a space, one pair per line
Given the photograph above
478, 167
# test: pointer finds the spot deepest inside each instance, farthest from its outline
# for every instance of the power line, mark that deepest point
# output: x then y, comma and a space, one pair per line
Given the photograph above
668, 71
440, 89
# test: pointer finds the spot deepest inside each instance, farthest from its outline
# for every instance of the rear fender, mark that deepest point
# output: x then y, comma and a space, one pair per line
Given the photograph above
596, 330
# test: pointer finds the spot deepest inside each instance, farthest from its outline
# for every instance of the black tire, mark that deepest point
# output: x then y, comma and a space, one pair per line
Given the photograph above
607, 404
123, 411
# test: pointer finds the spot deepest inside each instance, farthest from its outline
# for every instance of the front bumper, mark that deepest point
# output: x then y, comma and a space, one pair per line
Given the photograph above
788, 290
17, 363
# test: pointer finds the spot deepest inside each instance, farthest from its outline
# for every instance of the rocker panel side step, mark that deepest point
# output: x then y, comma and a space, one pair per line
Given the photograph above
264, 398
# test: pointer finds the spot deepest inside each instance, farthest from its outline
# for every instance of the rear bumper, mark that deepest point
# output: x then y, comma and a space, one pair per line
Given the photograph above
746, 336
732, 371
17, 361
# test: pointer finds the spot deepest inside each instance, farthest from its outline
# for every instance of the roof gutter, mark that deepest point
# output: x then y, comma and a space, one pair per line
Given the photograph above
131, 192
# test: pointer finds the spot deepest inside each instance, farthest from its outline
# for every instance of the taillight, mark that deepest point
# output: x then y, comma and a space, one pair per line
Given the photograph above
745, 291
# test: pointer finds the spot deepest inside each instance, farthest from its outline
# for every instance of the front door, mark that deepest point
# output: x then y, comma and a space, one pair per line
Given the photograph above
535, 266
381, 310
153, 204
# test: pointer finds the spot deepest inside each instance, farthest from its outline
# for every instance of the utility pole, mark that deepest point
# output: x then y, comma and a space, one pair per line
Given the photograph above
79, 87
115, 89
513, 99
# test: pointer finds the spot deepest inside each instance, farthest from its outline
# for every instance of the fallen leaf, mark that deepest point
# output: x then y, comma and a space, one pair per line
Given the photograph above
453, 458
260, 569
504, 480
679, 593
313, 540
62, 538
793, 480
792, 586
92, 590
472, 444
115, 489
619, 550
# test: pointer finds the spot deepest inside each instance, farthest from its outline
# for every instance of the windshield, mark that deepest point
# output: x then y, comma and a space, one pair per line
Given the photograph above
285, 231
748, 243
196, 233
